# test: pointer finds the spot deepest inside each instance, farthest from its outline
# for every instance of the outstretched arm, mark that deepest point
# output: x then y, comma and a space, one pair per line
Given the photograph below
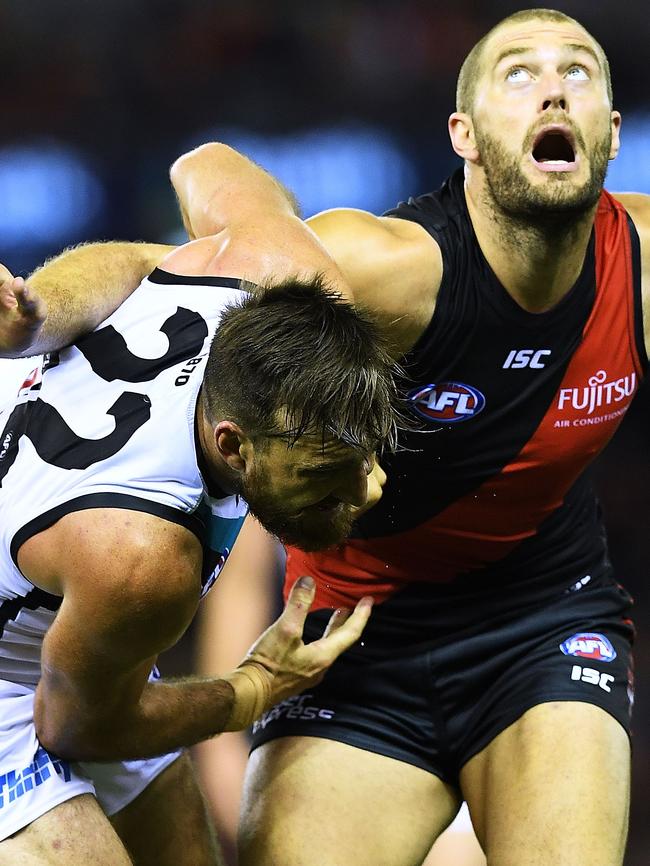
70, 294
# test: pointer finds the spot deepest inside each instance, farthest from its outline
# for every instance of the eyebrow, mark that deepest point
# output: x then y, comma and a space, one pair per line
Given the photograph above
329, 467
517, 51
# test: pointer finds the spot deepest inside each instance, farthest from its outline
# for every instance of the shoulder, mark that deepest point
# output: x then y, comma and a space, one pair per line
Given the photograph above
638, 207
195, 257
348, 232
121, 555
393, 267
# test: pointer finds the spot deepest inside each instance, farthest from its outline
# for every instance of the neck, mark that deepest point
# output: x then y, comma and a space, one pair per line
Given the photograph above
217, 469
537, 262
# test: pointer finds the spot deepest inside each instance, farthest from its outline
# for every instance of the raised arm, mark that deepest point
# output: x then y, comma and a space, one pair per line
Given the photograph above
130, 584
247, 219
70, 294
390, 266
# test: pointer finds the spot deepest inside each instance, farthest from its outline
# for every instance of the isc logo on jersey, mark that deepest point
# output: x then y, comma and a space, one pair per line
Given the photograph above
447, 402
589, 645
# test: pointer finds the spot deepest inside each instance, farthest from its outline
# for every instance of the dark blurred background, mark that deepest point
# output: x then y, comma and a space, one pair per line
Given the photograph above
346, 101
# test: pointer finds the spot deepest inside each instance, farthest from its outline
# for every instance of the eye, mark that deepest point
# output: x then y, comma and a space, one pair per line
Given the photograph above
518, 74
577, 73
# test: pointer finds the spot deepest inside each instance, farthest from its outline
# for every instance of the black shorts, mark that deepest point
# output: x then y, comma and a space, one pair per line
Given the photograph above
439, 699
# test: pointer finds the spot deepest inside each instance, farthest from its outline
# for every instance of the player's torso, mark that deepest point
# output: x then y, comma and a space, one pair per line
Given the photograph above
512, 408
110, 423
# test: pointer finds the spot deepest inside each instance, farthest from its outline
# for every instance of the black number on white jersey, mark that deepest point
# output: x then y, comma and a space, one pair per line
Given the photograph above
110, 357
58, 445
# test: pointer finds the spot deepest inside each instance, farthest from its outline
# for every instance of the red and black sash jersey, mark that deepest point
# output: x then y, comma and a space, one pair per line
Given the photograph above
513, 406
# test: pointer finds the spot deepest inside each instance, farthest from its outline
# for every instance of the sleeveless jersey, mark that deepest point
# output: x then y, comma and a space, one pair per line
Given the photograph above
110, 423
513, 406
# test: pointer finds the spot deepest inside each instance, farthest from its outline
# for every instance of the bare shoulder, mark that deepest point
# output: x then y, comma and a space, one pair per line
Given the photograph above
116, 566
196, 257
393, 266
638, 206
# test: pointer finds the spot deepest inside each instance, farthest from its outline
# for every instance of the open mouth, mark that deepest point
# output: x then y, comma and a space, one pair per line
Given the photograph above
554, 150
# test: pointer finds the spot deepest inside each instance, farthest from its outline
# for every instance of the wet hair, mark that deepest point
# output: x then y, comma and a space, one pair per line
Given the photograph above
470, 72
296, 358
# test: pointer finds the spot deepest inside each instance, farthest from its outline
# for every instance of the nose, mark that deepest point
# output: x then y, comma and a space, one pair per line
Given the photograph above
354, 488
554, 94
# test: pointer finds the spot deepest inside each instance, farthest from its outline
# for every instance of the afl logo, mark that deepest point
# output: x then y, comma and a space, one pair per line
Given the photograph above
589, 645
447, 402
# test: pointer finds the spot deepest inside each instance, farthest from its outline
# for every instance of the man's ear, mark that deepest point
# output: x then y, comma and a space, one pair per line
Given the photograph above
232, 444
461, 132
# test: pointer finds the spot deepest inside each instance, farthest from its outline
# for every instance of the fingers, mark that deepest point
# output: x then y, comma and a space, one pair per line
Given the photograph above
5, 274
297, 607
30, 304
345, 628
337, 619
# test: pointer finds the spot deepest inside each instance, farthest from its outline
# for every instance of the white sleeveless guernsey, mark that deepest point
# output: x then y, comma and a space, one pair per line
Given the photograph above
110, 423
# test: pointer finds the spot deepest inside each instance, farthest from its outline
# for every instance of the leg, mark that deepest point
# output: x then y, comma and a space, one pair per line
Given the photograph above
552, 789
168, 824
74, 833
315, 802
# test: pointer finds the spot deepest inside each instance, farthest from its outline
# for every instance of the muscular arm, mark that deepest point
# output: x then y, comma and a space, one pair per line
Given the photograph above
390, 266
245, 222
130, 586
79, 288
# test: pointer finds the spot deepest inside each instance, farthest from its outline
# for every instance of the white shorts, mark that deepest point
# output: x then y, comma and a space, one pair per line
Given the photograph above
32, 781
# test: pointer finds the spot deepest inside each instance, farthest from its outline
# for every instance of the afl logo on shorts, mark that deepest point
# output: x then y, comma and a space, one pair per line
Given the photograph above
447, 402
589, 645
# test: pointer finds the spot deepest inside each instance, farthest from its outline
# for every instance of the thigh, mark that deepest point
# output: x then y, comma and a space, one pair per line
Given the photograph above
552, 789
168, 824
310, 801
74, 833
458, 845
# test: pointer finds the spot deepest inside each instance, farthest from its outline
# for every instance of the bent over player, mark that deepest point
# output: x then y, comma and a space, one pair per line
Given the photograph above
126, 465
497, 663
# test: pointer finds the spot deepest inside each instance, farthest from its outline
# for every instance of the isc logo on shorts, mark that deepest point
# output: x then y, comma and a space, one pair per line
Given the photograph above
589, 645
447, 402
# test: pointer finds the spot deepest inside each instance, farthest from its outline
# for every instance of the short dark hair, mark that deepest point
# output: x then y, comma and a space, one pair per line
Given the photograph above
470, 71
299, 352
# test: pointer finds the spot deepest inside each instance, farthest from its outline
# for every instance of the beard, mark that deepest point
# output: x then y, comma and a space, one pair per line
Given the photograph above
309, 529
558, 200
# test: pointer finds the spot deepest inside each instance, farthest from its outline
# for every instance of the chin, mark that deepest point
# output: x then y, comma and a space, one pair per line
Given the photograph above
311, 533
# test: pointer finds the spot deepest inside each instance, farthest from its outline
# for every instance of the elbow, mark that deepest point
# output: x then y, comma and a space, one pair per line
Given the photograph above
62, 735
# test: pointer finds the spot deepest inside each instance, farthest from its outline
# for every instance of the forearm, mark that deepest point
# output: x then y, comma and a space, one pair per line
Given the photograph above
216, 185
85, 284
168, 715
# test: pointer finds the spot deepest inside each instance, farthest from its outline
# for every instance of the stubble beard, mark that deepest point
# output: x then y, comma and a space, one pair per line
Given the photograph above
554, 206
310, 530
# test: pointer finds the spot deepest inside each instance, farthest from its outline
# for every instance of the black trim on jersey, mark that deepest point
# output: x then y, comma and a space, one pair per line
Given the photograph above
105, 500
35, 598
639, 336
165, 278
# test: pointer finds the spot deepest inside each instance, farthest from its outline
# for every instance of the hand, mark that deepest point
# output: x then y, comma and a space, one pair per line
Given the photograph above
376, 481
279, 664
22, 314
